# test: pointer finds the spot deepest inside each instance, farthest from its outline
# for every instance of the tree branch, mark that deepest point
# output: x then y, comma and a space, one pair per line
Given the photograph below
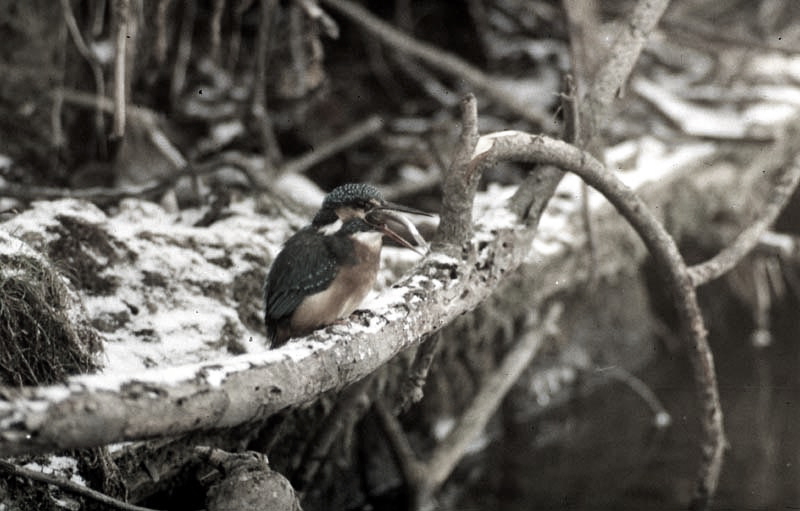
519, 146
68, 485
411, 389
460, 184
749, 238
424, 478
608, 83
97, 71
94, 410
593, 111
269, 143
474, 419
121, 17
111, 408
439, 59
348, 138
351, 404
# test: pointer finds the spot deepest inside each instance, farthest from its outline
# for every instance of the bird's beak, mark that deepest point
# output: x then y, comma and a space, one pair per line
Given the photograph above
380, 217
391, 206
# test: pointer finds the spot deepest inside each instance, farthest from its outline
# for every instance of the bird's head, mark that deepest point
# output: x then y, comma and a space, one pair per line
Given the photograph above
348, 201
354, 200
362, 202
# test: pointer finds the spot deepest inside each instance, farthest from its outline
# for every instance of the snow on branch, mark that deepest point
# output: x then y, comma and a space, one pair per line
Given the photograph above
94, 410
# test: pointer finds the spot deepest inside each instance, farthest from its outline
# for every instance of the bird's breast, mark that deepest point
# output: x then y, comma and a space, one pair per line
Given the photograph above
354, 280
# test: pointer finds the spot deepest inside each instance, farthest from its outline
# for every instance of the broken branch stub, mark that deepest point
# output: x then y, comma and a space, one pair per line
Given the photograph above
460, 185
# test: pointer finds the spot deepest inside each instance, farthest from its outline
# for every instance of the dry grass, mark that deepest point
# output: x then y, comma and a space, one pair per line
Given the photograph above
39, 344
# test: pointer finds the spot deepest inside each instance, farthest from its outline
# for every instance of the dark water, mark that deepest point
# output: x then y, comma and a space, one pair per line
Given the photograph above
601, 451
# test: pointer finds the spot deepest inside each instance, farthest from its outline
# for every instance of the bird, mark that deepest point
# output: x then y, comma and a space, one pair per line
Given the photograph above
325, 270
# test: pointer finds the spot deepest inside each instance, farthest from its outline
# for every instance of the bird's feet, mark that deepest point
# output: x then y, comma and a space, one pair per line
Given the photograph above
362, 316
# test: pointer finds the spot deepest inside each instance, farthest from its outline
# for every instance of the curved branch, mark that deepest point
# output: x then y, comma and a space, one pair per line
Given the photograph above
748, 239
594, 107
520, 146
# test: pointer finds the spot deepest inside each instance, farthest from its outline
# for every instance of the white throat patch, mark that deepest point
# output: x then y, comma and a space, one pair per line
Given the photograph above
331, 229
372, 239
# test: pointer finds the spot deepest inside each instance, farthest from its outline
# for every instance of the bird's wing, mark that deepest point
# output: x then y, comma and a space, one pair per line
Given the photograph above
305, 266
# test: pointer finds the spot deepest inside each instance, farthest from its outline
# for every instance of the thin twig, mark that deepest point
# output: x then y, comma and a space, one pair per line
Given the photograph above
702, 34
426, 80
140, 115
411, 390
149, 189
348, 138
297, 51
350, 405
214, 27
183, 53
761, 336
573, 133
748, 239
269, 144
235, 37
315, 12
411, 467
438, 59
77, 37
474, 419
400, 190
160, 45
662, 418
121, 14
69, 486
97, 193
56, 126
582, 18
98, 18
423, 479
94, 65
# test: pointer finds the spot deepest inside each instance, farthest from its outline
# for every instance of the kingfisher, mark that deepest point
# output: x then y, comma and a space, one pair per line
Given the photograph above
327, 268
